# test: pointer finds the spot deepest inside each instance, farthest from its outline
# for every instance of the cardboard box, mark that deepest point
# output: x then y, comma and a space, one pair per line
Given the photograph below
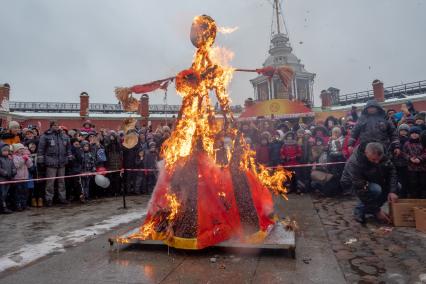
420, 216
402, 212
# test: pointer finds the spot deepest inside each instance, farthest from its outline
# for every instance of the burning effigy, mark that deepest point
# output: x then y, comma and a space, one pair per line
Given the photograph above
198, 202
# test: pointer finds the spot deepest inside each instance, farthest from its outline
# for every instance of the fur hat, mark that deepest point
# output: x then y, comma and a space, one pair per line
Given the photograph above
14, 125
17, 147
415, 129
404, 127
421, 116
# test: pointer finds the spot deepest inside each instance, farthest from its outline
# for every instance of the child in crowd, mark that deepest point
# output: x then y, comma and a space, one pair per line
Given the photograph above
74, 168
290, 154
7, 172
262, 151
335, 151
415, 154
34, 191
275, 148
22, 162
400, 162
150, 163
88, 165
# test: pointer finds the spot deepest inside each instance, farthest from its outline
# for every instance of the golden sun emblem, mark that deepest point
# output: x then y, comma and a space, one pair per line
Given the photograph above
274, 107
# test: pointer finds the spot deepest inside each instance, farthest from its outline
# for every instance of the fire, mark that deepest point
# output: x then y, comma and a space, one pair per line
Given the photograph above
173, 205
192, 143
227, 30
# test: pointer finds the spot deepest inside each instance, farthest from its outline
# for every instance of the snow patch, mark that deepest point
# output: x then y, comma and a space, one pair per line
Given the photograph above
54, 244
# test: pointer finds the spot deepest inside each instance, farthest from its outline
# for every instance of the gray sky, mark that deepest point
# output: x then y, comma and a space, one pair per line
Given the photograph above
51, 50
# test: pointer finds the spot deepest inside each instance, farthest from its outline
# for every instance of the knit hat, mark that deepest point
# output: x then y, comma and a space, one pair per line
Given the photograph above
421, 116
84, 143
152, 144
17, 147
415, 129
14, 125
404, 127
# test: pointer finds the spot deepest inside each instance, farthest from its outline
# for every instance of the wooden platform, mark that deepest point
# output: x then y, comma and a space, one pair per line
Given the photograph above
278, 239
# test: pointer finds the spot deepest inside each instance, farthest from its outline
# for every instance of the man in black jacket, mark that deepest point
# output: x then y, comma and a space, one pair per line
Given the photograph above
373, 126
54, 151
372, 176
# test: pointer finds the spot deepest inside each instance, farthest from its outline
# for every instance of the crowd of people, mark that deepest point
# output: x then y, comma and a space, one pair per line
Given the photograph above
377, 154
374, 153
41, 160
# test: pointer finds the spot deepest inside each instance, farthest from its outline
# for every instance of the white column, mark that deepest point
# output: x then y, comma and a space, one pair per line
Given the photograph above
295, 88
272, 88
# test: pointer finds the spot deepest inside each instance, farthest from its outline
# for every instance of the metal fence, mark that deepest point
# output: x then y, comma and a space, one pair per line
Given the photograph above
93, 107
398, 91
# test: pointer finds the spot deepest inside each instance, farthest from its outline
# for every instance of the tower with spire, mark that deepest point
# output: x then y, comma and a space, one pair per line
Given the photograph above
280, 53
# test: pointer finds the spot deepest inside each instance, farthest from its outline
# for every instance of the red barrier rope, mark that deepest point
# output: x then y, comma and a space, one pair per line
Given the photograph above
146, 171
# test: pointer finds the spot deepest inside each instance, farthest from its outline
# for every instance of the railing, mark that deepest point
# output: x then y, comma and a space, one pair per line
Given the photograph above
93, 107
398, 91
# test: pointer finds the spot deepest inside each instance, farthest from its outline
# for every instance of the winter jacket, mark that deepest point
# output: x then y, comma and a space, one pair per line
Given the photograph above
9, 138
114, 153
54, 149
22, 165
150, 160
88, 162
414, 149
275, 152
262, 154
291, 153
358, 171
374, 128
7, 167
74, 165
129, 155
400, 161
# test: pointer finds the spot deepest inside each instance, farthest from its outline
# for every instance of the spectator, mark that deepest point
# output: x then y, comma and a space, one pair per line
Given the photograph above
22, 163
275, 148
140, 175
262, 151
400, 162
330, 123
87, 127
415, 155
130, 152
150, 162
419, 120
7, 172
114, 161
88, 165
54, 152
373, 126
74, 168
335, 151
12, 134
372, 176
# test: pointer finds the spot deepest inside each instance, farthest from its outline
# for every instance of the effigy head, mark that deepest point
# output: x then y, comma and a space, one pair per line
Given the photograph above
203, 31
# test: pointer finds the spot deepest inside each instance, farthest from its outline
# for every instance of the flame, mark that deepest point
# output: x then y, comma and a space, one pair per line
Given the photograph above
221, 194
173, 205
227, 30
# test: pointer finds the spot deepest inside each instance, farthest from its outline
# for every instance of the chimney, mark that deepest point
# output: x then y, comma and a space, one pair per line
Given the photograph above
84, 104
144, 106
4, 97
325, 99
379, 91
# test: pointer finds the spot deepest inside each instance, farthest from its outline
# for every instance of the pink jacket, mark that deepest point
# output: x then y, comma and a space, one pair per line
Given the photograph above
22, 166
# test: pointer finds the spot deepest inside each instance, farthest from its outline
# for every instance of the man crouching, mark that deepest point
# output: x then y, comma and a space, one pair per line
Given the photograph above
370, 174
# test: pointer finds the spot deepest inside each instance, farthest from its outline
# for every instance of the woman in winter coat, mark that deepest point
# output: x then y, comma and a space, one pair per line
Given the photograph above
275, 148
262, 151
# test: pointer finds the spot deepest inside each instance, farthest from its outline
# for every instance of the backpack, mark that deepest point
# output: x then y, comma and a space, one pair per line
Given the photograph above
101, 155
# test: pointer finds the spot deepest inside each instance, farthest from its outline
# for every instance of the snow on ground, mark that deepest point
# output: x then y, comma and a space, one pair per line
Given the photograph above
54, 244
